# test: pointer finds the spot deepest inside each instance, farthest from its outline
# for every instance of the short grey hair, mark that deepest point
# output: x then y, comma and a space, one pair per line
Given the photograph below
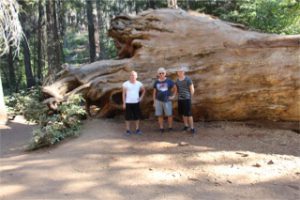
182, 67
161, 69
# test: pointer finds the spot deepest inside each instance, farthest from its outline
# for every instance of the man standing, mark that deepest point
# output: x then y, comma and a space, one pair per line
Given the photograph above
131, 102
185, 89
164, 91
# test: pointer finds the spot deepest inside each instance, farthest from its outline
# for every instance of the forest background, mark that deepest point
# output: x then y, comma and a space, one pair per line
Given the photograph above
75, 31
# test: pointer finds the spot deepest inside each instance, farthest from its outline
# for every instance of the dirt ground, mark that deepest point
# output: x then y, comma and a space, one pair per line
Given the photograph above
223, 161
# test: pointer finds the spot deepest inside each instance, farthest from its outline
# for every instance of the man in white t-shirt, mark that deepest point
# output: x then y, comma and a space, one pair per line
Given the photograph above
131, 102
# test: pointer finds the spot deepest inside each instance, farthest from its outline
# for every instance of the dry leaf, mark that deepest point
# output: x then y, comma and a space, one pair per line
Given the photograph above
270, 162
256, 165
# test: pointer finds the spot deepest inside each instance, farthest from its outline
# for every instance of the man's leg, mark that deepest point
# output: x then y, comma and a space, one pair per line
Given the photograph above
161, 122
137, 124
189, 116
191, 122
137, 128
159, 114
128, 117
168, 111
127, 123
185, 121
181, 112
170, 122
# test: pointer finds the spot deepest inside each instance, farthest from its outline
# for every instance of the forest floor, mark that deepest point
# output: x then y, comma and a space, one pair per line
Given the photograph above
225, 160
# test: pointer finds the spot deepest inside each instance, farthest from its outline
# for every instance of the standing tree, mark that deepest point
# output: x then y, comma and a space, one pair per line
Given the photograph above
53, 42
100, 5
11, 69
26, 50
28, 71
172, 4
3, 112
41, 21
10, 36
61, 24
93, 30
151, 4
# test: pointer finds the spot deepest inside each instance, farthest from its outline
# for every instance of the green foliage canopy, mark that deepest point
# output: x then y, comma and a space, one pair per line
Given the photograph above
271, 16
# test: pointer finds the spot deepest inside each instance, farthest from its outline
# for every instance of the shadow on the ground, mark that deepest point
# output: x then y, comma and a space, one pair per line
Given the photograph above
14, 137
104, 164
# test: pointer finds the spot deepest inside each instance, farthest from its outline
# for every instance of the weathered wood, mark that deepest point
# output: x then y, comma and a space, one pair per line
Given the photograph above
238, 74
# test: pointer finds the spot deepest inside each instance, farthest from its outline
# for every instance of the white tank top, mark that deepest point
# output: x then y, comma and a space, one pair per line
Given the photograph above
132, 91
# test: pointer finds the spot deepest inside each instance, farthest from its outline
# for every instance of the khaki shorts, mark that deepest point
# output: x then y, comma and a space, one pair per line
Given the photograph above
163, 108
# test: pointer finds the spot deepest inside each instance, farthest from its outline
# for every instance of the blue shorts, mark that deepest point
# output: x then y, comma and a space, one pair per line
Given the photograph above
162, 108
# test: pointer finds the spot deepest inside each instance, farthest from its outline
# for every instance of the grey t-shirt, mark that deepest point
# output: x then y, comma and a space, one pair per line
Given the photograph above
183, 88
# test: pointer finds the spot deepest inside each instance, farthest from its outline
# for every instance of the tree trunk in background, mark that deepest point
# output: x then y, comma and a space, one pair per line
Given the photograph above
188, 4
96, 26
3, 112
53, 42
151, 4
28, 71
102, 50
91, 29
11, 70
172, 4
137, 7
25, 22
40, 63
61, 26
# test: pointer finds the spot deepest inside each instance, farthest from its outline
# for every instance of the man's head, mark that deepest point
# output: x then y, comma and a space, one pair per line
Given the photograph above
133, 76
181, 70
161, 72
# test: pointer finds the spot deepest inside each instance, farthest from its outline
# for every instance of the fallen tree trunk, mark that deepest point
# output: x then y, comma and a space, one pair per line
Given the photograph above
238, 74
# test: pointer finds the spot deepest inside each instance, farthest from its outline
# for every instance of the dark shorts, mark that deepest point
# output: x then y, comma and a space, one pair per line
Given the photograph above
185, 107
132, 111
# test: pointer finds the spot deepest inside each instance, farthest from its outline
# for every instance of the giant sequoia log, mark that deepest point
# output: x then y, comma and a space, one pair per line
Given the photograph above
238, 74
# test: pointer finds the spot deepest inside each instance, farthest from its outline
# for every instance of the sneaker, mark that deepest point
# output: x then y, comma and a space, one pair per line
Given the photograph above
138, 132
170, 129
127, 133
193, 131
185, 128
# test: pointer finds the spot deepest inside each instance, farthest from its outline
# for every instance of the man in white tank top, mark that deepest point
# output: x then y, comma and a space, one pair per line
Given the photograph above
131, 102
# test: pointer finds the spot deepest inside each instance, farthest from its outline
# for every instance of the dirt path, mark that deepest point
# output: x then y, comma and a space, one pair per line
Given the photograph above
223, 161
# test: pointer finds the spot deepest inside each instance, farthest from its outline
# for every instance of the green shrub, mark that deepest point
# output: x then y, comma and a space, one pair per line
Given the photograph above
63, 123
53, 126
26, 103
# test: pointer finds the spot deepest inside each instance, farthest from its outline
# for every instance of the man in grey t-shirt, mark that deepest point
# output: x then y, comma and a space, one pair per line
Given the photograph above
185, 90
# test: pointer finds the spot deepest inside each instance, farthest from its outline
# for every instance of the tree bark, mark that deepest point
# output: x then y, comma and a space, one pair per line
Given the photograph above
40, 63
91, 29
237, 74
172, 4
11, 70
53, 42
61, 26
28, 71
26, 50
151, 4
3, 111
101, 27
96, 26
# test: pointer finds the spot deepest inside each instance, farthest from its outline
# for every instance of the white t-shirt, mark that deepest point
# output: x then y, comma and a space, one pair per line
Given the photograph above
132, 91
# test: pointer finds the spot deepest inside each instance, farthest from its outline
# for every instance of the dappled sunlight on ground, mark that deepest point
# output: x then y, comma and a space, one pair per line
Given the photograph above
220, 162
